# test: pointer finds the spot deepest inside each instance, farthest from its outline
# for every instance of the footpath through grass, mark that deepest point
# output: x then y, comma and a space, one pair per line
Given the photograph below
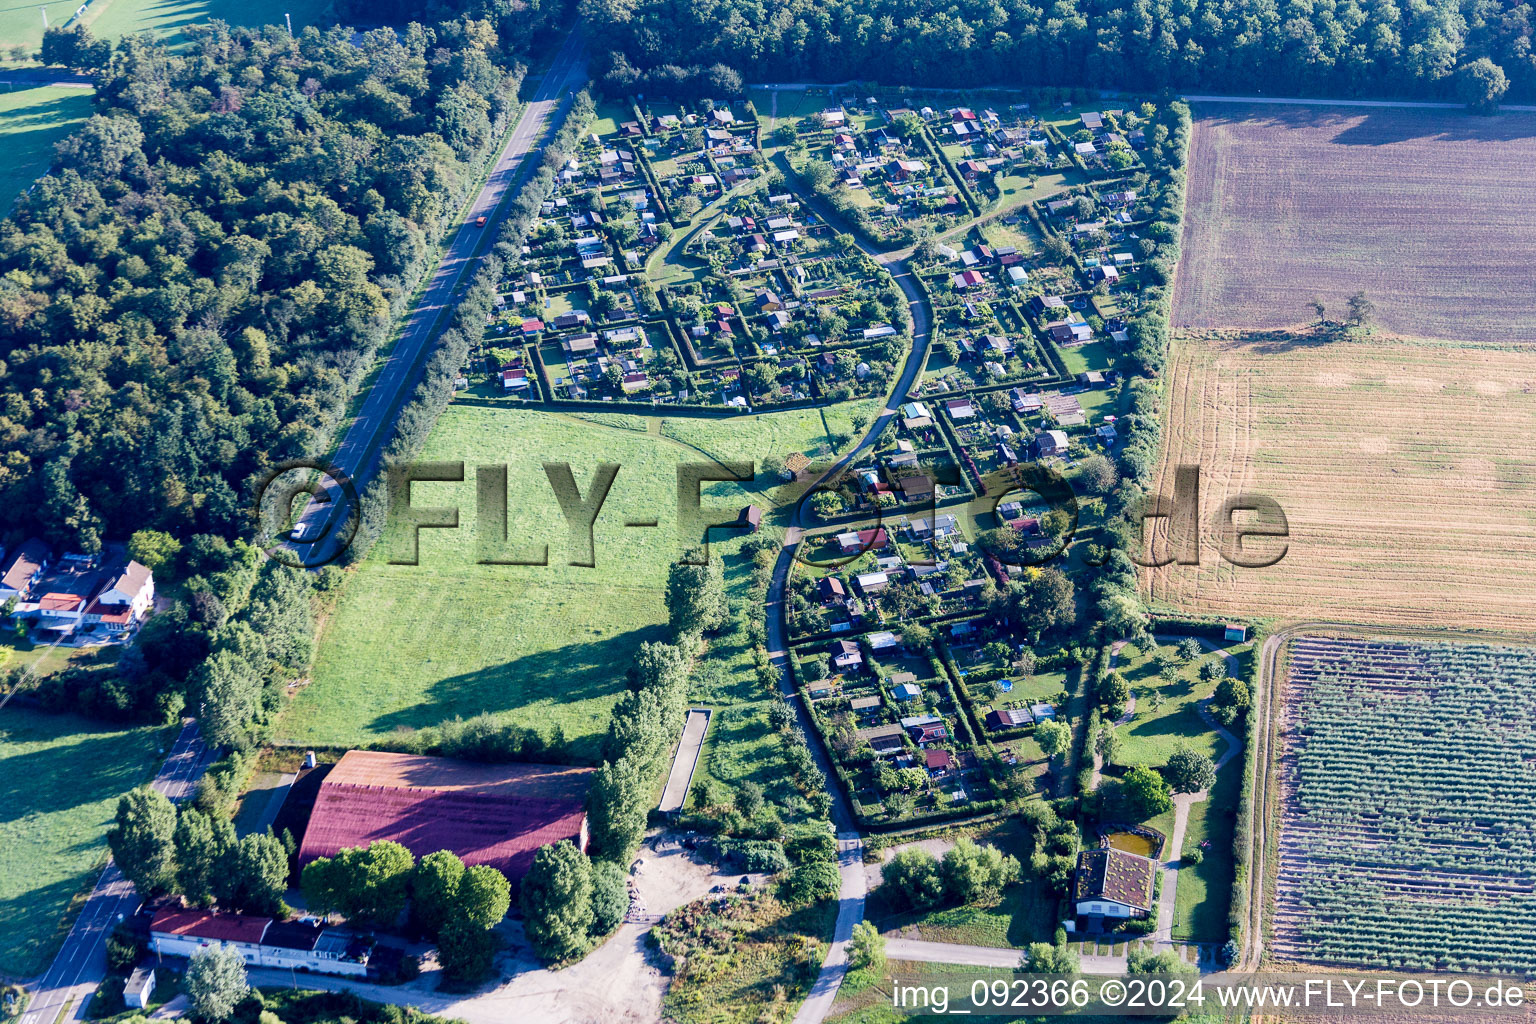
60, 777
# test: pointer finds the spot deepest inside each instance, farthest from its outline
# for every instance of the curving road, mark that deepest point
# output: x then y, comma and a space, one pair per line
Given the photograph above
362, 446
82, 962
850, 847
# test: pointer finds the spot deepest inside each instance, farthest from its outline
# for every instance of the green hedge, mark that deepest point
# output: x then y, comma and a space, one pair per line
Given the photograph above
1242, 830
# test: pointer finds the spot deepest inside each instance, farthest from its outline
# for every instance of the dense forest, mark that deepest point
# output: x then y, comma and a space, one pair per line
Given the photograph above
197, 289
1312, 47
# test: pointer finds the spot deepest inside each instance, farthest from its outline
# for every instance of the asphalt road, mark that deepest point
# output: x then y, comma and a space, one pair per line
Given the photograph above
850, 908
32, 78
82, 962
358, 456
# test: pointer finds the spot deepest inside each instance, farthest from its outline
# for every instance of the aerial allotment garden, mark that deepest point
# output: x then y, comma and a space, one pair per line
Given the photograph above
1408, 799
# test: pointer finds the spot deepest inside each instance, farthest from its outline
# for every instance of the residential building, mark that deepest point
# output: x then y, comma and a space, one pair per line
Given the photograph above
260, 941
1112, 883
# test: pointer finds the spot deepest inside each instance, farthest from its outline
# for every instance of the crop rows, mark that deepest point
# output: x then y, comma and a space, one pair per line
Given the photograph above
1408, 835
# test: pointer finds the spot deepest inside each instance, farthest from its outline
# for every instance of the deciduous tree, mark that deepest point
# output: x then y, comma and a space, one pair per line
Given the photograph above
143, 840
557, 901
1189, 771
215, 983
1145, 793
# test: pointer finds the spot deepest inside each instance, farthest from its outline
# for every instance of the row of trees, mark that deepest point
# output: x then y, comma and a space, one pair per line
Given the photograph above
453, 905
1432, 48
968, 873
198, 855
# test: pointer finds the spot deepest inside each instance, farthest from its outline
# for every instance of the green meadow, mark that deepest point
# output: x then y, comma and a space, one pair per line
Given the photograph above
60, 777
543, 645
31, 121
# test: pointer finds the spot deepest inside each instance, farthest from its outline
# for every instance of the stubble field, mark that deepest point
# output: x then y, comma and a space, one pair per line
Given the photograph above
1405, 470
1428, 212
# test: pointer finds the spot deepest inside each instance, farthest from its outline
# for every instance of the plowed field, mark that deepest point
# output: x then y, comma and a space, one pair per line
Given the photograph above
1430, 212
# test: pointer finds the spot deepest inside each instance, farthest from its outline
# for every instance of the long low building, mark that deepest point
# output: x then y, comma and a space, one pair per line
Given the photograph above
260, 941
495, 814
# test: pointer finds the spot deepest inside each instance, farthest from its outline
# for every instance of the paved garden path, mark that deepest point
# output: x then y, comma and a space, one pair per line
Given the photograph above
985, 956
1162, 937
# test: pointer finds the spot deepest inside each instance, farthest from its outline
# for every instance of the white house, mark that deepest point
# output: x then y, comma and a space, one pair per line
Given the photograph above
1112, 883
78, 590
21, 570
872, 582
846, 655
260, 941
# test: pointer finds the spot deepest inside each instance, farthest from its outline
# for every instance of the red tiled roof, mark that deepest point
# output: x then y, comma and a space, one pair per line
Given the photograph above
939, 759
60, 602
487, 814
115, 613
206, 924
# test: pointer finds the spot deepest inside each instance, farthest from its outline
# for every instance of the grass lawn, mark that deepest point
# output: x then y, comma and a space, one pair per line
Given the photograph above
610, 116
39, 659
31, 121
1205, 890
1019, 233
114, 18
741, 746
792, 103
61, 776
1015, 188
1099, 403
938, 363
1150, 737
23, 23
547, 646
254, 801
1025, 913
1095, 355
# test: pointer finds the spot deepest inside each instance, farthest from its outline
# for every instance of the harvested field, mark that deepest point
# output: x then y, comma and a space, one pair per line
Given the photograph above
1407, 805
1428, 211
1405, 470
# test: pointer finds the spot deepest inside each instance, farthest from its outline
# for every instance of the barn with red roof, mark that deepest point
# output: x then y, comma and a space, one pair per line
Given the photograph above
495, 814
